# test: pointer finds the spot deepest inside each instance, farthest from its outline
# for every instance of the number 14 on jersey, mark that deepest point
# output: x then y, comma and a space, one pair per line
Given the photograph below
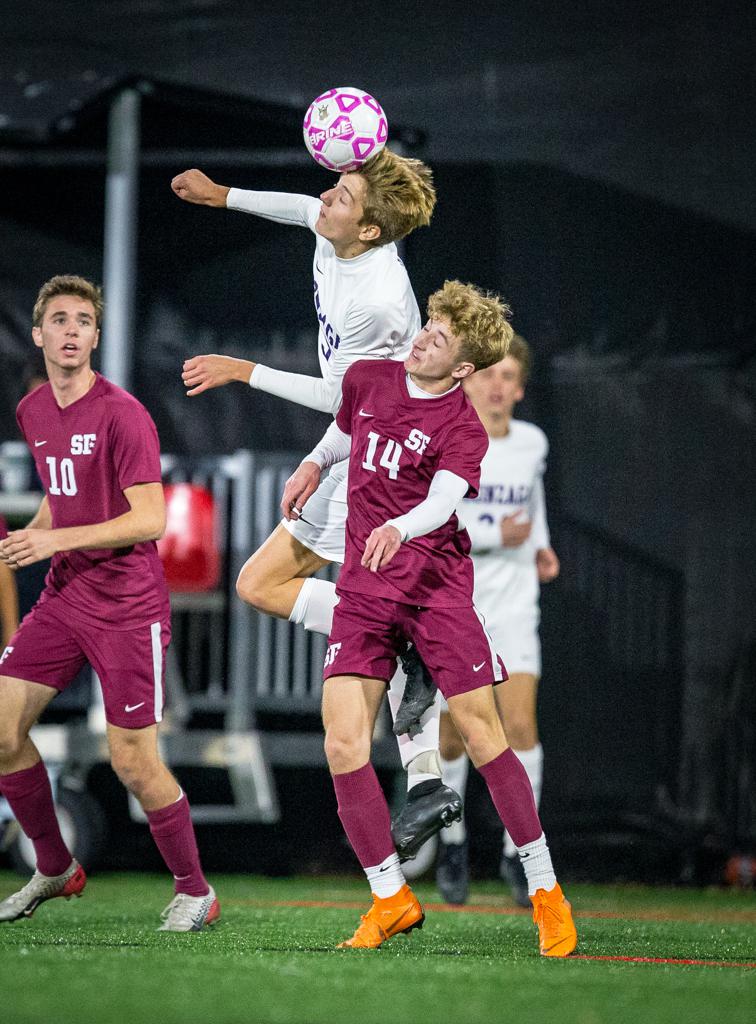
391, 455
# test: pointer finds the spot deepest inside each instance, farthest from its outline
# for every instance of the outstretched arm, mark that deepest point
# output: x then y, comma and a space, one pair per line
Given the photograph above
369, 333
144, 521
282, 207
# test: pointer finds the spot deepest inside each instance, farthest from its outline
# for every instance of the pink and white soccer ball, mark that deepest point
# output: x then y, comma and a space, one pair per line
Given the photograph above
344, 127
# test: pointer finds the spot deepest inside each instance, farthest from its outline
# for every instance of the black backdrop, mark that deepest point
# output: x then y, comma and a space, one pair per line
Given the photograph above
642, 322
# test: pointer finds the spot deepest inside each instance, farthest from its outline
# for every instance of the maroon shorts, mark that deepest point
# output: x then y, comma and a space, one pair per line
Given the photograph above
50, 648
368, 634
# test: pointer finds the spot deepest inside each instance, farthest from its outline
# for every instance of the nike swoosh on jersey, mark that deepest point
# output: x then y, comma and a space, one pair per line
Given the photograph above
363, 413
133, 707
38, 444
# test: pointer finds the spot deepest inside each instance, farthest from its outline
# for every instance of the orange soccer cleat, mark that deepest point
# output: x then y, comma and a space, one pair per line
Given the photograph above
557, 935
394, 915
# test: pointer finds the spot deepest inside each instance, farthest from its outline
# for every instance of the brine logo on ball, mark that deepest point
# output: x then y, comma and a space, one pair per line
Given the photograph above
344, 127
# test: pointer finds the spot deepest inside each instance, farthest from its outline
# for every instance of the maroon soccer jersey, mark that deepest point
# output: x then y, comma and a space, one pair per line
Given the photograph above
399, 443
87, 455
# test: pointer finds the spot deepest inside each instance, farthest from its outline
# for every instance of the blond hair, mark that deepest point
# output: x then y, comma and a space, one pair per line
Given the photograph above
68, 284
522, 354
399, 196
479, 319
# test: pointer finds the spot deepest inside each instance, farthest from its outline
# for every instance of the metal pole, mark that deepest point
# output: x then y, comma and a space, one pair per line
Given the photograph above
121, 218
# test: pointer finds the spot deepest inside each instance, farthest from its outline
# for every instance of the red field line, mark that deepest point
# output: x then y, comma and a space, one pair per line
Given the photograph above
664, 960
715, 917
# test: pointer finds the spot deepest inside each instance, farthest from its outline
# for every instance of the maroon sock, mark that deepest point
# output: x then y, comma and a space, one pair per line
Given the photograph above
365, 815
512, 794
173, 833
30, 796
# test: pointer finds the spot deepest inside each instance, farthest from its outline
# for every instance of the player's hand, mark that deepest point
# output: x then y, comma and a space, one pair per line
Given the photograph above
514, 531
547, 564
200, 373
196, 187
380, 547
24, 547
303, 482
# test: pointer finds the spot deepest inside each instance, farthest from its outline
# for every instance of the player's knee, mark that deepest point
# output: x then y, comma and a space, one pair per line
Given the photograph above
345, 751
252, 589
130, 767
483, 739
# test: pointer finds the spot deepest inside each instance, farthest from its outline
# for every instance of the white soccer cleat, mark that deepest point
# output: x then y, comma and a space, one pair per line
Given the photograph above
190, 913
40, 888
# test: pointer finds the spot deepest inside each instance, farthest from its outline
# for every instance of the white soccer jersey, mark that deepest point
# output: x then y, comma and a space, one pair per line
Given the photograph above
365, 307
511, 481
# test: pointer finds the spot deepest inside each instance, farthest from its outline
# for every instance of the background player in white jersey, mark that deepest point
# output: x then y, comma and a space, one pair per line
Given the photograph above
366, 309
512, 555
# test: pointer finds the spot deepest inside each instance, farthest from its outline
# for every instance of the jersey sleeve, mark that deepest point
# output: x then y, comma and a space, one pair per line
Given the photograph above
463, 452
135, 447
281, 207
313, 392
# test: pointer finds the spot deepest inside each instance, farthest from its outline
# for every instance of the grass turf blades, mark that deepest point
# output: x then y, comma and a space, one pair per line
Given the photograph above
272, 958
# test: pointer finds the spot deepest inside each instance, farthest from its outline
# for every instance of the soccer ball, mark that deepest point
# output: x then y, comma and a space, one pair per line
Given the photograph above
343, 128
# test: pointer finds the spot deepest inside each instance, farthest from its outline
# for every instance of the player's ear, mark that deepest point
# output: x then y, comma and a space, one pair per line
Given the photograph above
370, 233
97, 339
463, 370
37, 336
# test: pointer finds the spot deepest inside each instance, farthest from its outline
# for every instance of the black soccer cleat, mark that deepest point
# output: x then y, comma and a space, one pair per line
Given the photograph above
512, 872
430, 807
452, 875
419, 694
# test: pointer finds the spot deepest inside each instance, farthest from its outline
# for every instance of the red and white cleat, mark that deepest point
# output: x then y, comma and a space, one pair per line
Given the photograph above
40, 888
190, 913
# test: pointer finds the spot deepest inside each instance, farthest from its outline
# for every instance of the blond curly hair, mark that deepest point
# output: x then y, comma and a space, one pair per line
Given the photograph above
479, 319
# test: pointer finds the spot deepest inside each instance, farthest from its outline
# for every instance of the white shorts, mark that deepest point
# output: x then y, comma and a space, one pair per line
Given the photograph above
323, 523
515, 635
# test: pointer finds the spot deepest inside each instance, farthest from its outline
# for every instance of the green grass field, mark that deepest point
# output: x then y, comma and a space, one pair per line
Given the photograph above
272, 958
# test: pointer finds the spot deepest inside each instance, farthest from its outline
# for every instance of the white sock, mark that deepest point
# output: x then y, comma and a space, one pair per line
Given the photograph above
454, 774
314, 606
532, 762
536, 861
426, 767
386, 879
